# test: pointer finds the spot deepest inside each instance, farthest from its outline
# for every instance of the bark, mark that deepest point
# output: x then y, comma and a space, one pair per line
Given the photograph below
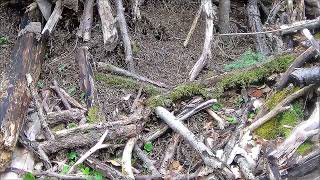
86, 75
45, 8
255, 25
14, 98
54, 18
298, 62
126, 157
64, 116
298, 25
88, 135
306, 76
86, 21
109, 30
224, 20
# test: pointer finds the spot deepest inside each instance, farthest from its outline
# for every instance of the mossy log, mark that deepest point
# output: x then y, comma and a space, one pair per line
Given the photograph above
14, 98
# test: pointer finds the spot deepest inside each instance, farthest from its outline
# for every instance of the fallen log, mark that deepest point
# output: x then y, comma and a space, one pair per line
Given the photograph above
306, 76
64, 116
14, 98
54, 18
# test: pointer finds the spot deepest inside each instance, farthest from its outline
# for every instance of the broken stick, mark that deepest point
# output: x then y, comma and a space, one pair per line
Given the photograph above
54, 18
126, 157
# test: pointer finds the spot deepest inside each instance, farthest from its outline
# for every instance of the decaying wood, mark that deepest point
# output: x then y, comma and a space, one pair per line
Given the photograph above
54, 18
71, 4
306, 76
255, 25
301, 133
125, 35
45, 8
69, 99
14, 99
221, 122
45, 94
95, 148
86, 21
106, 170
86, 77
298, 62
206, 51
88, 135
108, 22
206, 154
168, 155
193, 26
279, 107
148, 162
136, 10
59, 93
126, 157
119, 71
299, 25
224, 20
36, 100
64, 116
312, 40
181, 117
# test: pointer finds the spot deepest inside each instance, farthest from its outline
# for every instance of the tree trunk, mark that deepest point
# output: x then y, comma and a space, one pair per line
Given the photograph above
14, 98
255, 25
224, 20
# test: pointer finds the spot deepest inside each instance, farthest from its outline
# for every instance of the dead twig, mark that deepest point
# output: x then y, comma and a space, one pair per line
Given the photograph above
126, 157
119, 71
168, 155
221, 122
36, 100
59, 93
54, 18
95, 148
125, 35
193, 26
148, 162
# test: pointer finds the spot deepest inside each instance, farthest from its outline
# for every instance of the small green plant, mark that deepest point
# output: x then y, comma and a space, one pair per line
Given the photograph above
29, 176
72, 156
72, 90
135, 47
85, 170
247, 59
232, 120
148, 146
93, 115
40, 84
71, 125
3, 40
97, 175
305, 148
217, 106
61, 68
65, 169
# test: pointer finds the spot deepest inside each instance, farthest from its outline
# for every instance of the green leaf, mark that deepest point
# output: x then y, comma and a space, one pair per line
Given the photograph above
72, 155
29, 176
216, 107
85, 171
148, 147
61, 68
65, 169
232, 120
97, 175
71, 125
40, 84
3, 40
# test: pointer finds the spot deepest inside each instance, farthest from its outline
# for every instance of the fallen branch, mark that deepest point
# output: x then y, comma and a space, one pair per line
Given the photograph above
119, 71
45, 8
45, 95
86, 21
205, 153
125, 35
86, 75
148, 162
54, 18
168, 155
136, 10
306, 76
69, 99
279, 108
313, 41
193, 26
109, 30
298, 62
298, 25
221, 122
36, 100
70, 115
59, 93
208, 9
181, 117
95, 148
126, 157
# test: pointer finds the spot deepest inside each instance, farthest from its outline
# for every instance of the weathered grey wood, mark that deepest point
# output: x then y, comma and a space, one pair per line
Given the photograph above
86, 21
224, 20
64, 116
14, 98
54, 18
255, 25
306, 76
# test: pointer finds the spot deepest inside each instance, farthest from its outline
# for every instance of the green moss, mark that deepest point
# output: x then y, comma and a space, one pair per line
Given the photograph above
305, 148
268, 130
93, 116
158, 100
317, 35
125, 83
279, 64
247, 59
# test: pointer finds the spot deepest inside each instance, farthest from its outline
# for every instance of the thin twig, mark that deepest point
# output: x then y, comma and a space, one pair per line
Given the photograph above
148, 162
126, 157
63, 99
193, 26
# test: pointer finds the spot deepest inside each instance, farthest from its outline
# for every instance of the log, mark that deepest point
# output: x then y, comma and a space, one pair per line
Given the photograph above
54, 18
64, 116
305, 76
108, 22
255, 25
224, 20
298, 62
45, 8
86, 75
86, 21
26, 58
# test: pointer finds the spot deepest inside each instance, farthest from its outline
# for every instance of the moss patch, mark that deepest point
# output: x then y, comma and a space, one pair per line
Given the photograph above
305, 148
93, 116
125, 83
247, 59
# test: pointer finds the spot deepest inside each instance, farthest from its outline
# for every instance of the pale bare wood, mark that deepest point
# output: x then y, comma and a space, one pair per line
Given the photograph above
54, 18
